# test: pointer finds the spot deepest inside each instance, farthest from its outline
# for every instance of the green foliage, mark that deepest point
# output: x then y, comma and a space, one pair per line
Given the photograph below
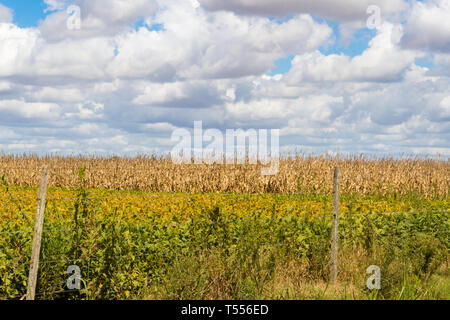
220, 254
4, 182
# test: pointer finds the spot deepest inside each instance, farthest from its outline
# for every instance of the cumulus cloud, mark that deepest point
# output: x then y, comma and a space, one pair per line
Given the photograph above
24, 53
100, 17
443, 110
6, 14
112, 87
428, 26
442, 65
197, 44
51, 94
340, 10
21, 109
193, 94
16, 49
382, 61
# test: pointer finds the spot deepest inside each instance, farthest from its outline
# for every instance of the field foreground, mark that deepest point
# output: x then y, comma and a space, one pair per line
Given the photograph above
146, 229
139, 245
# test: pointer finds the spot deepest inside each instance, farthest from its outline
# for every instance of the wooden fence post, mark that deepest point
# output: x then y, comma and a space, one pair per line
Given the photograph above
38, 224
335, 227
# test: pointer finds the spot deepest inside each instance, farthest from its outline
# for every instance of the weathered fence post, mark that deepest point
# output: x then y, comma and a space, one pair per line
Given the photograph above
335, 227
38, 224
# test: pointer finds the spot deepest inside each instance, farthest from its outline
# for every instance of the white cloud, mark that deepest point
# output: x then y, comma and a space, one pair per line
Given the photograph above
444, 109
428, 26
5, 86
99, 17
16, 49
6, 14
197, 44
159, 127
89, 110
51, 94
382, 61
111, 88
23, 52
160, 93
312, 109
79, 59
338, 10
22, 109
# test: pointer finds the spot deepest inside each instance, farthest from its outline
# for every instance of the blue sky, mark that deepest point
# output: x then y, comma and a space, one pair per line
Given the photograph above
27, 13
330, 84
350, 47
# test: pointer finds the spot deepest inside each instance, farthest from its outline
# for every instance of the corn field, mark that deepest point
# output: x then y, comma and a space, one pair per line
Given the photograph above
297, 174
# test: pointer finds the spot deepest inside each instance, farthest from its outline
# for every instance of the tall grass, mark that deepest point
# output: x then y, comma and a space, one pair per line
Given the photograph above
219, 255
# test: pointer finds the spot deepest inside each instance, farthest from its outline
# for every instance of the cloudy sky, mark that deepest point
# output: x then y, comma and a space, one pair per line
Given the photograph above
329, 74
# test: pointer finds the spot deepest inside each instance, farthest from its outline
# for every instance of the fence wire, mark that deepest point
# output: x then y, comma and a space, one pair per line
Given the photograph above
23, 297
156, 194
142, 226
176, 249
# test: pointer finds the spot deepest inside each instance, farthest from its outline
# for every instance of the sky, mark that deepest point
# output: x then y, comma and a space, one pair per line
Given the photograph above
333, 76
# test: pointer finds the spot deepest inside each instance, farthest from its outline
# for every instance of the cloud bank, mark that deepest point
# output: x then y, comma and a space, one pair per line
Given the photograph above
137, 70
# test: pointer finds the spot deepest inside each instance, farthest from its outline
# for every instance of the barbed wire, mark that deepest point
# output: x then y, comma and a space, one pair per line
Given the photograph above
159, 194
73, 260
16, 232
37, 171
396, 212
166, 251
125, 167
115, 169
102, 226
155, 193
145, 197
141, 226
116, 227
20, 199
41, 294
193, 195
288, 243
